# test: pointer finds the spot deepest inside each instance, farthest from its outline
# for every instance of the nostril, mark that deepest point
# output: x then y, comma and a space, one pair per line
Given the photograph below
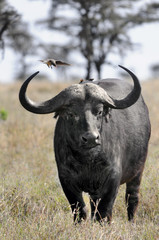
97, 140
90, 139
84, 139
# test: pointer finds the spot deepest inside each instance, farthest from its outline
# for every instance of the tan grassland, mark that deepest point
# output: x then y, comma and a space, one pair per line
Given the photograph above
32, 204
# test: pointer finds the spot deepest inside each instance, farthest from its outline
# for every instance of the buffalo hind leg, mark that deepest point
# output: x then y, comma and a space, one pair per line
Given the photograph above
76, 202
132, 195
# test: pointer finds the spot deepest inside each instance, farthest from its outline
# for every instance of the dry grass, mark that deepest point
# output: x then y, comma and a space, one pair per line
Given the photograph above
32, 204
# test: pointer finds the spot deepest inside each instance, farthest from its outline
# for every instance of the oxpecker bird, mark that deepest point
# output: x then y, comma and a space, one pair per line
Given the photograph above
52, 62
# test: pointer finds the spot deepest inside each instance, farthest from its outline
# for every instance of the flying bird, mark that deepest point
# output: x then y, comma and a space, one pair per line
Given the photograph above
52, 62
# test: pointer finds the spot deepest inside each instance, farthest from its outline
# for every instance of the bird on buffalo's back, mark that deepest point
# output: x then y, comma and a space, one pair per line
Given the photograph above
89, 80
52, 62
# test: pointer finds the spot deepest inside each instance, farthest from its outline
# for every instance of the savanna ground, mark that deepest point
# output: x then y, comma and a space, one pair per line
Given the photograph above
32, 204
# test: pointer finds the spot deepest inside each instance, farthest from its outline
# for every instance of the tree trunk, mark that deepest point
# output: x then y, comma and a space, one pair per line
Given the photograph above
88, 69
99, 72
98, 66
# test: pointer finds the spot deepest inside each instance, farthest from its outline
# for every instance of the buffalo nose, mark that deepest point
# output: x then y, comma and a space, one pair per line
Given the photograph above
90, 139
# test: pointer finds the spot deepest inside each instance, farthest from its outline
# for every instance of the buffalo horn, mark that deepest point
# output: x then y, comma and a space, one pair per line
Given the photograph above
132, 97
49, 106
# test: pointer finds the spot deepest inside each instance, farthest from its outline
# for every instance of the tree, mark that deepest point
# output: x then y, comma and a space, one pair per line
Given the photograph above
99, 27
8, 16
155, 70
14, 33
23, 44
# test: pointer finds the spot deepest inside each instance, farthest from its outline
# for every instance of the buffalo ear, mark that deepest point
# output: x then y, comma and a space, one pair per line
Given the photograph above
60, 112
56, 114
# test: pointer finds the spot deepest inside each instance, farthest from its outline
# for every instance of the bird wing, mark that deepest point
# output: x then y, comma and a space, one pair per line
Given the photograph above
62, 63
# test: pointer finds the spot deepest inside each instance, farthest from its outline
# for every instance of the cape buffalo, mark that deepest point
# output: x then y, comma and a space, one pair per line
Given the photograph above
101, 141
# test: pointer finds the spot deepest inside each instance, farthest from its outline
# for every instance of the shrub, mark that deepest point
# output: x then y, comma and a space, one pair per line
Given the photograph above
3, 114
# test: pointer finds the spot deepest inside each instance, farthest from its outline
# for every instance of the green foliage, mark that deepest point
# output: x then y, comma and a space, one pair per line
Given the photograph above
3, 114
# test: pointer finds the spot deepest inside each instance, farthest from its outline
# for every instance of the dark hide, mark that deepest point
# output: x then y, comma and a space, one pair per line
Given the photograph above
98, 148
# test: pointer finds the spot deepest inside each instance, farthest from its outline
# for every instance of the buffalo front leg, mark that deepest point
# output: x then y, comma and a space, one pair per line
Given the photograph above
76, 202
101, 208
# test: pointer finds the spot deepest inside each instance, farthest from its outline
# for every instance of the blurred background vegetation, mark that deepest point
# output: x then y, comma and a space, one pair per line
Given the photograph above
92, 29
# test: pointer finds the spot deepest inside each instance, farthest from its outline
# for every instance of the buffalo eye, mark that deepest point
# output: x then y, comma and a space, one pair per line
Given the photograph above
100, 113
98, 110
71, 115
